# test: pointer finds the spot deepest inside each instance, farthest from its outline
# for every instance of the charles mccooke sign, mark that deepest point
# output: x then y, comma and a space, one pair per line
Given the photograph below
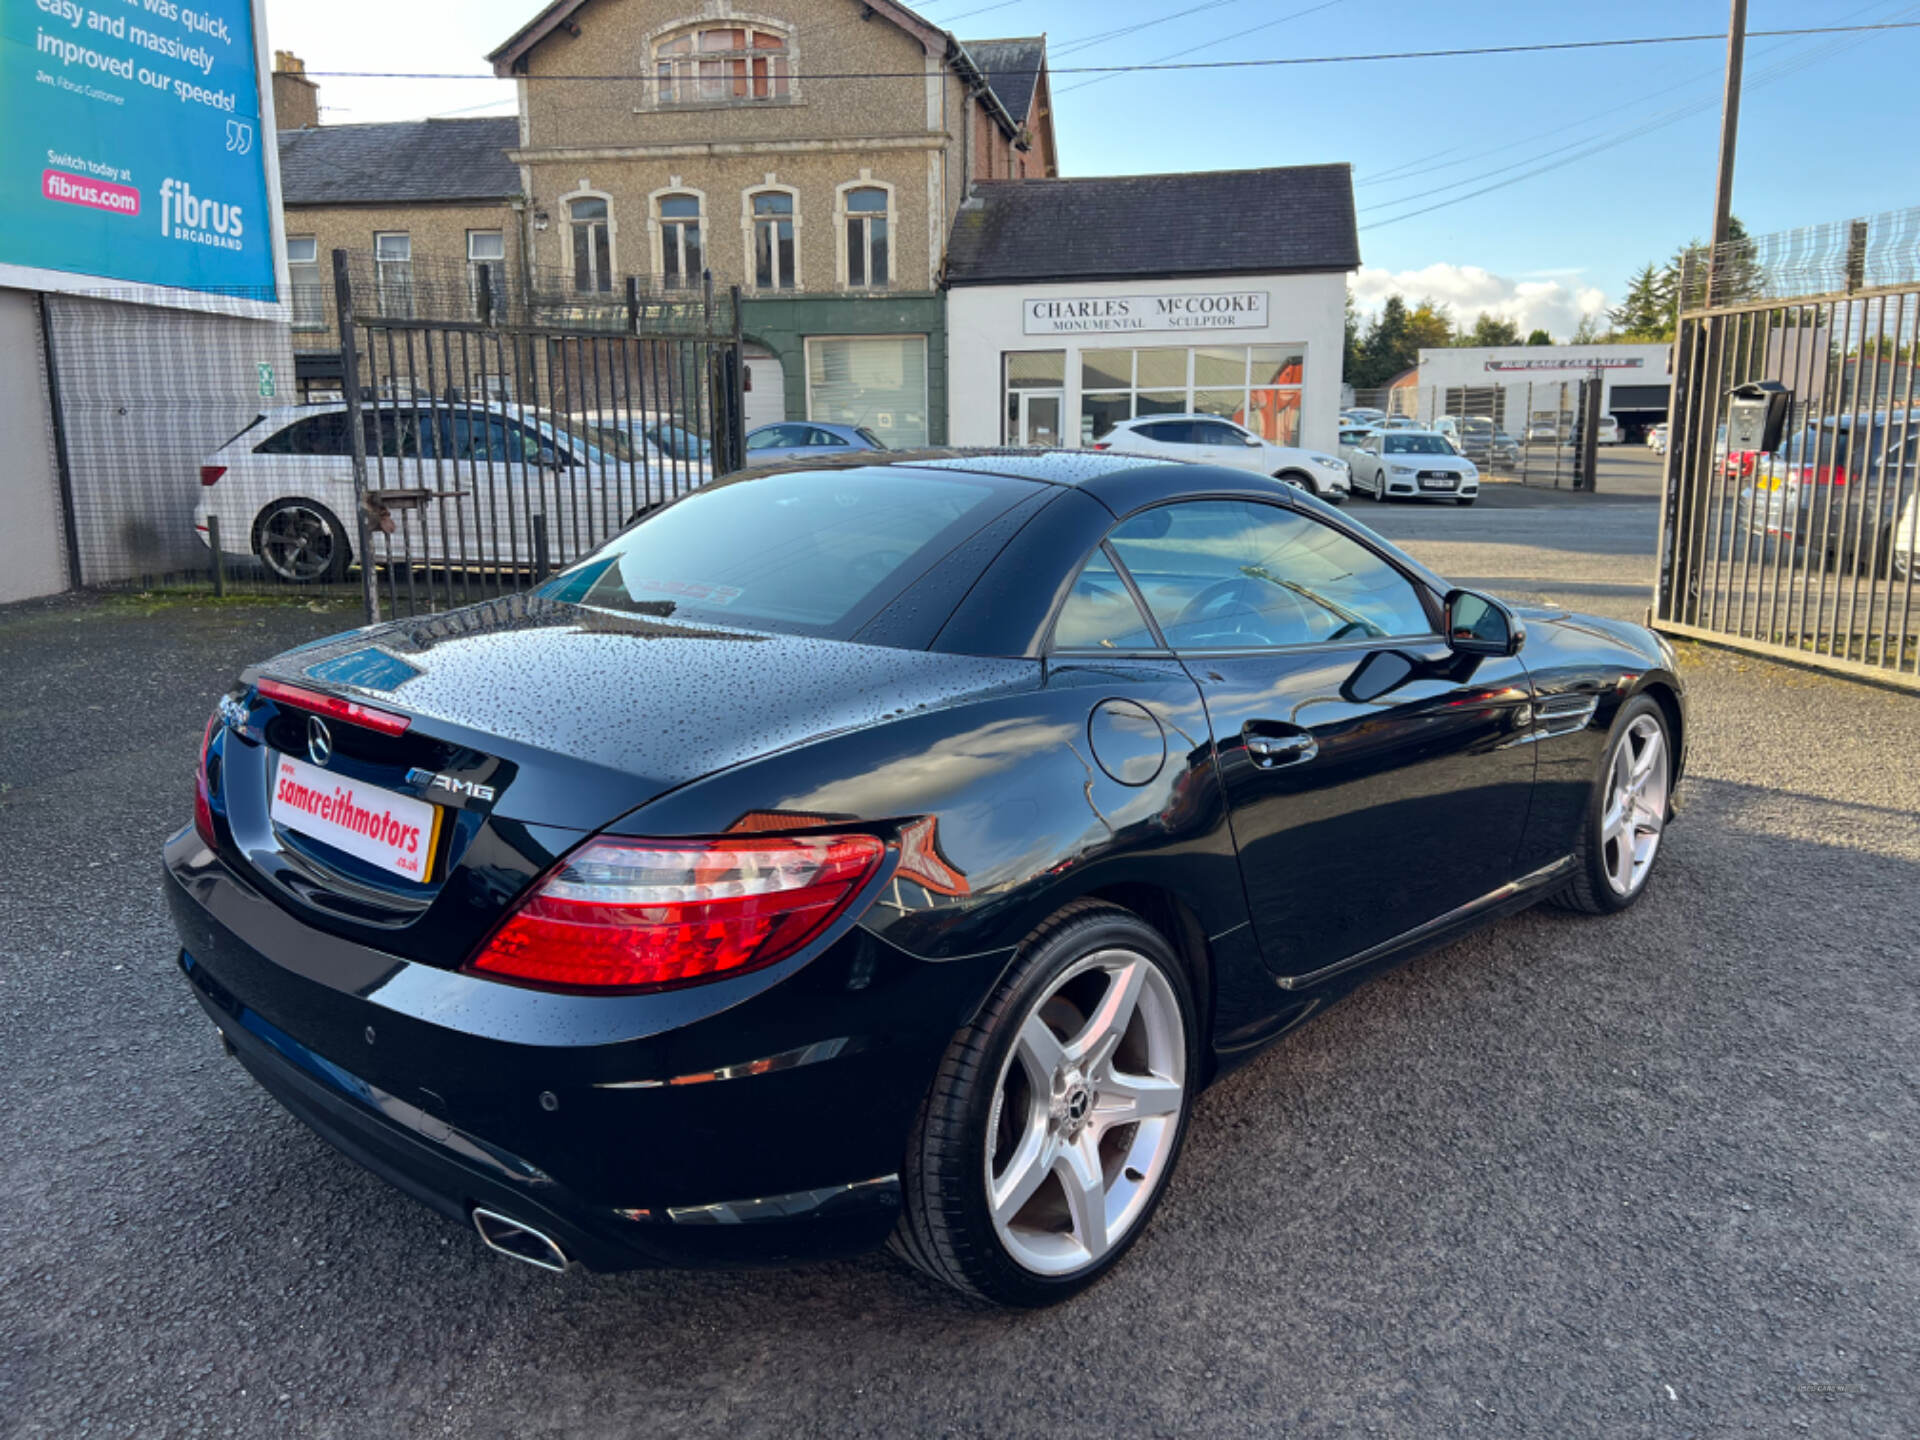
1107, 314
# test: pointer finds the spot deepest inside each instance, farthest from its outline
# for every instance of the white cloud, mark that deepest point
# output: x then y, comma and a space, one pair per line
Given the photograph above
1554, 303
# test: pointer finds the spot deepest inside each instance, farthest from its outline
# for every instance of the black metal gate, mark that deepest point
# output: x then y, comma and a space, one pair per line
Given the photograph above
505, 425
1802, 544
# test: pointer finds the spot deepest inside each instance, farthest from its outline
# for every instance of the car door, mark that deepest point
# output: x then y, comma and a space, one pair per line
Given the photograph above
1367, 460
1219, 443
1375, 779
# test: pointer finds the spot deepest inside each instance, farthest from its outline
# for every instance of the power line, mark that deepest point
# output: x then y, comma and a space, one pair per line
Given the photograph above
1585, 149
1156, 66
1215, 43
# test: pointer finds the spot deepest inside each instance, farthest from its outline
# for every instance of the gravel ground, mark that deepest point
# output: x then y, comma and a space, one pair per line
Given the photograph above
1647, 1176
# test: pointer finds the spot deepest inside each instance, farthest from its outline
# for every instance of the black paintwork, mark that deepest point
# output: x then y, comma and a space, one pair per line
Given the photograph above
1008, 783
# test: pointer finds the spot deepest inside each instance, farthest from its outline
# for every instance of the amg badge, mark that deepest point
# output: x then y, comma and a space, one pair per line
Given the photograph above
451, 784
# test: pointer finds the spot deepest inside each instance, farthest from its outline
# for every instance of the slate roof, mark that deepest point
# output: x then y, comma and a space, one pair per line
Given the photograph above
1012, 68
1116, 227
409, 161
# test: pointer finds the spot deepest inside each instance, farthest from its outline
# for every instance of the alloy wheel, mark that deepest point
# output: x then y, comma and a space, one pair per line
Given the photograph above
1086, 1113
1636, 813
297, 543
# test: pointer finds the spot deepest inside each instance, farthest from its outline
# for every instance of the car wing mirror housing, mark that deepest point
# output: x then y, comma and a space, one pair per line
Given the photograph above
1481, 625
1250, 440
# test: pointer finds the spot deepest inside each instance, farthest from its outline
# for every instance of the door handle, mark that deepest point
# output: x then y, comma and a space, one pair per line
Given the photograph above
1269, 751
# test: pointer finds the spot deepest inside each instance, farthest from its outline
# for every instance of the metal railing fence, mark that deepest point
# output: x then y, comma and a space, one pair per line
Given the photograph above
1803, 548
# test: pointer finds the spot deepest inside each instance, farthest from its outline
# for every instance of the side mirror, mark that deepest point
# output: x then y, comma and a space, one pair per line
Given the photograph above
548, 459
1250, 441
1480, 625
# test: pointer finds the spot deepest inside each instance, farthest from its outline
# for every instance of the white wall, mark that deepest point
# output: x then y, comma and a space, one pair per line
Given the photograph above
985, 321
1517, 366
32, 542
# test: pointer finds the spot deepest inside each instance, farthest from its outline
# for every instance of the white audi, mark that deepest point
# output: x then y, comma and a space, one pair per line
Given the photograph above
1211, 440
459, 483
1414, 464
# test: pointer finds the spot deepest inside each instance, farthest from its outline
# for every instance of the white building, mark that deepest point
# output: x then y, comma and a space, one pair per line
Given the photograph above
1511, 384
1074, 304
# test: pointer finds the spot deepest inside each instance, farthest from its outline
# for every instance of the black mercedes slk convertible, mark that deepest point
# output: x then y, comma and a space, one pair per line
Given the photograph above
885, 853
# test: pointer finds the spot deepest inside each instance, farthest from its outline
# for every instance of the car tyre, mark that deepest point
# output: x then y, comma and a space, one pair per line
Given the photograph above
1380, 489
986, 1123
302, 542
1626, 817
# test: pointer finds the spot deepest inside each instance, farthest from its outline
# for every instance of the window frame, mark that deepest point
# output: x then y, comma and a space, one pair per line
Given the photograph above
567, 202
669, 235
782, 88
316, 294
846, 218
1430, 602
402, 280
751, 222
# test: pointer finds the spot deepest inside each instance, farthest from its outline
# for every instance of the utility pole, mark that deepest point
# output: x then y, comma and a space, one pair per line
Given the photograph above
1729, 133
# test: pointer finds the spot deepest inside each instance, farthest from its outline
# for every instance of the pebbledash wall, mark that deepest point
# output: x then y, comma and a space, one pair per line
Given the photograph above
986, 324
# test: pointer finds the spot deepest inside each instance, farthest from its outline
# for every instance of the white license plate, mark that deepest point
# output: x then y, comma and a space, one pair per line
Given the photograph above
1437, 482
394, 832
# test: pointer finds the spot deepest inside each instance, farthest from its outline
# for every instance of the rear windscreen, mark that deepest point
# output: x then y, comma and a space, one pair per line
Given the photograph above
815, 552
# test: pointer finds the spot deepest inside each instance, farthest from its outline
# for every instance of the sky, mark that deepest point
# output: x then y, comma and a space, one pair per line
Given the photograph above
1595, 162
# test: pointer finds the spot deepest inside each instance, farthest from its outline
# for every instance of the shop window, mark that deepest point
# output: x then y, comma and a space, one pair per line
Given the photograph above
879, 382
1257, 386
682, 259
773, 253
592, 233
393, 274
305, 289
722, 65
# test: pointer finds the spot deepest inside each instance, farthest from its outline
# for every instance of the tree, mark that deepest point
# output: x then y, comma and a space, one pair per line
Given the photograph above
1354, 361
1491, 330
1588, 332
1647, 312
1539, 337
1386, 349
1430, 327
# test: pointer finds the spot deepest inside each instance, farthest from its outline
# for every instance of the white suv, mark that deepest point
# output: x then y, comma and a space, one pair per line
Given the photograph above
1210, 440
472, 475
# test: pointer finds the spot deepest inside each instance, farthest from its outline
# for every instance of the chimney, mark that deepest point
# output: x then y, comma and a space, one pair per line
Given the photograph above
296, 99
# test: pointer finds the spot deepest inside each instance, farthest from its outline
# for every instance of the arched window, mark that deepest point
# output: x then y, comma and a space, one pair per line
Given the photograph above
773, 257
592, 243
681, 255
868, 258
721, 65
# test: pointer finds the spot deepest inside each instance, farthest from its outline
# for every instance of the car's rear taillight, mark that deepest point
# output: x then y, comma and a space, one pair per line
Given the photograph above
335, 707
210, 474
649, 914
1822, 475
202, 790
1103, 444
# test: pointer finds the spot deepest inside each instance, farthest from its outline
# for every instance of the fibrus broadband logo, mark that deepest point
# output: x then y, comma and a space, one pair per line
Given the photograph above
185, 216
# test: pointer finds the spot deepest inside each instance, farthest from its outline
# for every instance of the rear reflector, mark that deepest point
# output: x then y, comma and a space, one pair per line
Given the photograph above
651, 914
210, 474
335, 707
202, 792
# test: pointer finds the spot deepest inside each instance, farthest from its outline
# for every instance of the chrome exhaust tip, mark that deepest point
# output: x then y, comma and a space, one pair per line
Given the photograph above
521, 1242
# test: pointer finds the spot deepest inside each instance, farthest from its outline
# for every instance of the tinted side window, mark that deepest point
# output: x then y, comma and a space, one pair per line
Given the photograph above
1234, 574
1100, 613
1168, 432
315, 435
1212, 432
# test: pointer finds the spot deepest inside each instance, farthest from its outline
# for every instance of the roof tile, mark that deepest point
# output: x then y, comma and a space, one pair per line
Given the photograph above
407, 161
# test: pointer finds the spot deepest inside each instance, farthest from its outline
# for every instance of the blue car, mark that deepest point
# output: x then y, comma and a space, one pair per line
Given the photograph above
802, 439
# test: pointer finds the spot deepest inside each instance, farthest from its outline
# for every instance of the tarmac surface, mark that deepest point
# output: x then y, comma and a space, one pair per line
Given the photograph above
1646, 1176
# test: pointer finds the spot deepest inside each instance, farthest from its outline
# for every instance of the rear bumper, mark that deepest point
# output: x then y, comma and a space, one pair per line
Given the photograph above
738, 1130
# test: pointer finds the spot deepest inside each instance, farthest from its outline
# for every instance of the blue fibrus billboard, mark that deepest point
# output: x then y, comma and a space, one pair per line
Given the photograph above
130, 143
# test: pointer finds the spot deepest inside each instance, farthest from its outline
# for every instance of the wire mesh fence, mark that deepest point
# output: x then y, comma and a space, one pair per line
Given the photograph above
1836, 258
465, 433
